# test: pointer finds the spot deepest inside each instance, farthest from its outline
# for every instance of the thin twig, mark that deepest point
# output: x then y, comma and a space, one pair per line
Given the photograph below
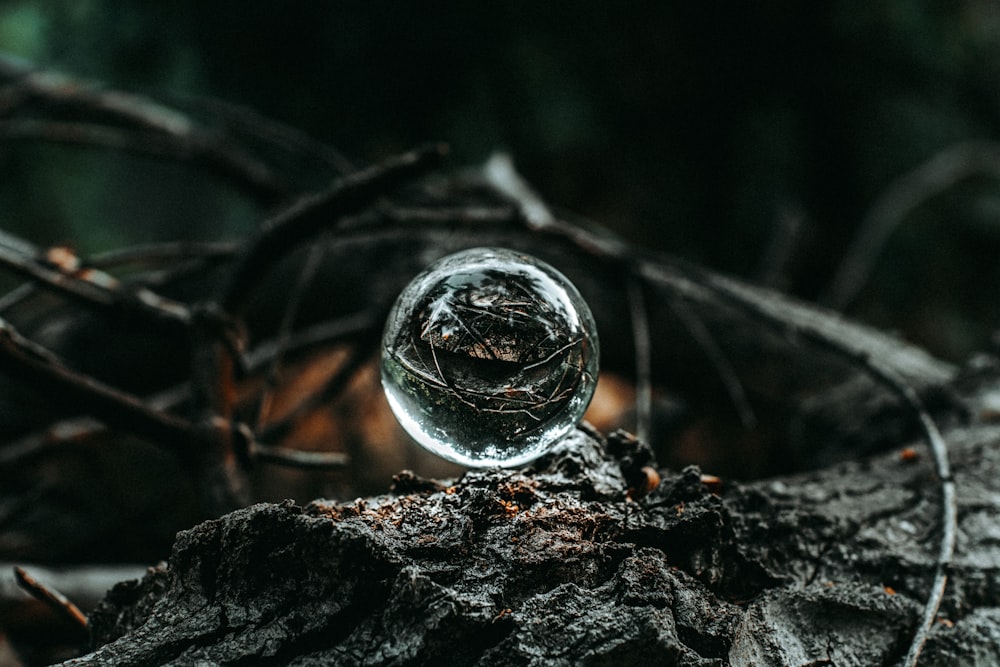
86, 584
37, 367
59, 88
402, 214
500, 172
18, 451
216, 342
279, 429
286, 137
309, 215
298, 458
88, 286
643, 358
155, 253
717, 358
51, 598
238, 167
324, 333
180, 259
161, 129
906, 194
16, 296
306, 276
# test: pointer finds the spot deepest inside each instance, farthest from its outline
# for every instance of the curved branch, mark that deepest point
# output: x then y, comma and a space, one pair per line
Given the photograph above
62, 273
37, 367
235, 165
51, 598
312, 213
903, 197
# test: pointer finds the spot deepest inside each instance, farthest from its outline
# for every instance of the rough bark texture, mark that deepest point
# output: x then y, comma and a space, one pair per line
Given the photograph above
557, 564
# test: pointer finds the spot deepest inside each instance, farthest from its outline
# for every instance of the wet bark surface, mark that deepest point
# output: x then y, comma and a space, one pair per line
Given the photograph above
567, 562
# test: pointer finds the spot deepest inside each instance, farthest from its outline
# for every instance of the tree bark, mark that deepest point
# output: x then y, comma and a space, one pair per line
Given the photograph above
566, 563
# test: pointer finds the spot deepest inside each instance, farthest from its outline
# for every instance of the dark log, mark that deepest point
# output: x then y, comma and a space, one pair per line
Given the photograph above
563, 563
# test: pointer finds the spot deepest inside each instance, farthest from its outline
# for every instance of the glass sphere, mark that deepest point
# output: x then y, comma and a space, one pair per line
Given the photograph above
489, 356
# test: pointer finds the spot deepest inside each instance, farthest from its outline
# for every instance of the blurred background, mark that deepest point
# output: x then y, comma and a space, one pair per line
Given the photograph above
842, 151
759, 139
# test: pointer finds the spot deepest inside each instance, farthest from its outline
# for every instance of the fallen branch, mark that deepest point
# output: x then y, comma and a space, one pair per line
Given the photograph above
58, 269
132, 123
317, 212
38, 368
50, 597
903, 196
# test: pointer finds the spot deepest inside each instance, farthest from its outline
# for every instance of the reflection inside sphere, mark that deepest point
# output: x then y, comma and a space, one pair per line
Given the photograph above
489, 356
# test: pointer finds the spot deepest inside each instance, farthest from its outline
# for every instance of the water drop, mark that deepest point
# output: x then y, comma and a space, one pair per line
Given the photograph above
489, 356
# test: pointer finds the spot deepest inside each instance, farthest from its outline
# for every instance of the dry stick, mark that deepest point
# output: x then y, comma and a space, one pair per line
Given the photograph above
37, 443
500, 172
278, 134
231, 163
298, 458
64, 90
16, 452
454, 214
306, 277
36, 366
21, 258
936, 442
89, 286
278, 429
167, 129
16, 296
904, 196
141, 254
643, 358
53, 599
704, 339
194, 258
155, 253
220, 479
325, 333
313, 213
86, 584
213, 363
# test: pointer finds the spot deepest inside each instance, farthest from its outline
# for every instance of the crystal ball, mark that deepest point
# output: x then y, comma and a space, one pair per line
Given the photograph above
489, 356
